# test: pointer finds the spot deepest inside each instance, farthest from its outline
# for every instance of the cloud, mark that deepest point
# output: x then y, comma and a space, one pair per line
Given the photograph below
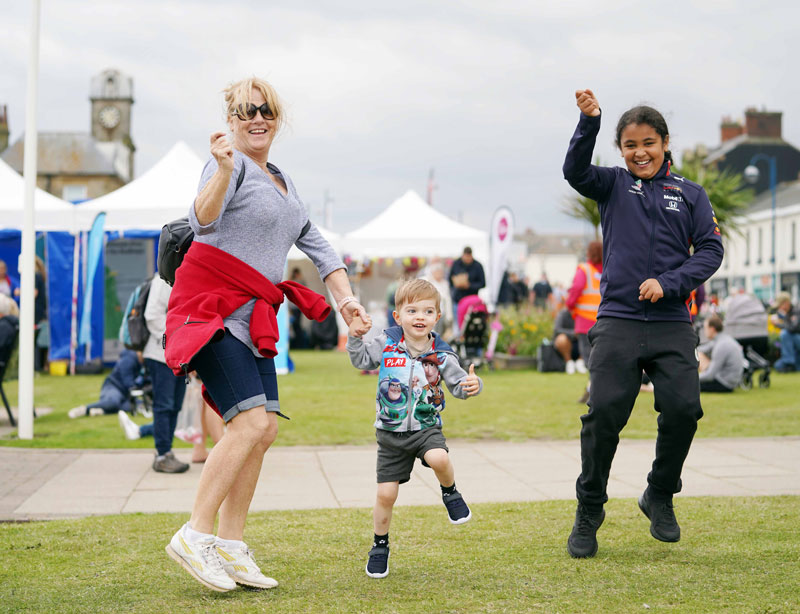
380, 93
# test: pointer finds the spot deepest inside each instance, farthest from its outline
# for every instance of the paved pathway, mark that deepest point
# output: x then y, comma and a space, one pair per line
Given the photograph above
40, 484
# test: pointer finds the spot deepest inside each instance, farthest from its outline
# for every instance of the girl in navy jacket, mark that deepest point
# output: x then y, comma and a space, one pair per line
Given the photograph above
660, 242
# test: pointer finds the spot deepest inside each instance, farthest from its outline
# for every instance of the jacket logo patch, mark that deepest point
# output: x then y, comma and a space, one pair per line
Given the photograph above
636, 188
394, 362
673, 187
672, 202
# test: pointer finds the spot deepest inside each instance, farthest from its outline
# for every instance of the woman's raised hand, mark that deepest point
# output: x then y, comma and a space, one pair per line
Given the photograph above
222, 151
587, 103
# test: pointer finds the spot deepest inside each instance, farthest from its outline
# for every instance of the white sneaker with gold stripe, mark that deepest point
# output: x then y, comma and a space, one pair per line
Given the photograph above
239, 563
201, 559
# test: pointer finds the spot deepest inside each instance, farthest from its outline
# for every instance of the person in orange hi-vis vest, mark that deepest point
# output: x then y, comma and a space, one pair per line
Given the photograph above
583, 299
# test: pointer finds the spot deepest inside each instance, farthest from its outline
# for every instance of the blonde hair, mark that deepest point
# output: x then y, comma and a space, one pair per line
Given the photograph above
238, 94
417, 290
40, 268
8, 307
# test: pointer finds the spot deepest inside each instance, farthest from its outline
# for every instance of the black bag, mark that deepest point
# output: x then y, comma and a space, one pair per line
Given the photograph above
548, 359
135, 333
176, 239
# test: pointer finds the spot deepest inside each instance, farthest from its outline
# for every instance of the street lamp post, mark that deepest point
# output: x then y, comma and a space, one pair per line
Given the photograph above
751, 174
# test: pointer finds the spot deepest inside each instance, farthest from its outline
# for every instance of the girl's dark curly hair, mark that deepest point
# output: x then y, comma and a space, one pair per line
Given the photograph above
644, 115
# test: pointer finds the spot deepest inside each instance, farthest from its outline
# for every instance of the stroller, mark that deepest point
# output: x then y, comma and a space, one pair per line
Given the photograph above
141, 400
746, 321
471, 342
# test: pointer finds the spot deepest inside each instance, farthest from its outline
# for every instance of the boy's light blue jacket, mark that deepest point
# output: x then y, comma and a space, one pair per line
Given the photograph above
410, 395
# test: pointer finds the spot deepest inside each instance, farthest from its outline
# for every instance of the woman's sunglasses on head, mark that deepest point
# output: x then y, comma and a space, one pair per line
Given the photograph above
248, 111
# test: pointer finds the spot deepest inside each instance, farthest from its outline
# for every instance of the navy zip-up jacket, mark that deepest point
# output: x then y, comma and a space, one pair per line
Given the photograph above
648, 227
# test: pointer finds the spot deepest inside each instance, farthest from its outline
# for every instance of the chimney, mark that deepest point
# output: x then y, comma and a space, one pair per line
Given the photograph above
730, 129
763, 123
3, 128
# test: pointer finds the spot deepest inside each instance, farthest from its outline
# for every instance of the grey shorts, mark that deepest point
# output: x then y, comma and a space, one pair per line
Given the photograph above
398, 451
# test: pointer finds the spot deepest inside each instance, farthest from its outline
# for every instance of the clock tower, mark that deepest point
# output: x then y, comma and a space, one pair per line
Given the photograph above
111, 95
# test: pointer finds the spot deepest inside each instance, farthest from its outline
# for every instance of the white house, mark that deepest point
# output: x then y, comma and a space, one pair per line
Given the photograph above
748, 260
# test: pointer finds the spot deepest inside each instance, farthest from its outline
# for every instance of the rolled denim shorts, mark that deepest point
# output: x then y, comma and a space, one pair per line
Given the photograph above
235, 378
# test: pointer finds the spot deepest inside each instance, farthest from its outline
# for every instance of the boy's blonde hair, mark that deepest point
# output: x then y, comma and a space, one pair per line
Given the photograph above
416, 290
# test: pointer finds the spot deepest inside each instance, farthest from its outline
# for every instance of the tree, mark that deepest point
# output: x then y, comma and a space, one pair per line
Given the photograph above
583, 208
726, 191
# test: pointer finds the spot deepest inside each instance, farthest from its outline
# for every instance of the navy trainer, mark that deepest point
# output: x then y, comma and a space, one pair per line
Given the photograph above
457, 508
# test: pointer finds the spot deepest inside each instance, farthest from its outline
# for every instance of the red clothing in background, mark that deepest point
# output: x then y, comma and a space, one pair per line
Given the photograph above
582, 325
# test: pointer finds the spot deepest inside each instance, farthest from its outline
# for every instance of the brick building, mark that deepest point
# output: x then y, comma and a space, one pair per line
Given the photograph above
77, 166
761, 132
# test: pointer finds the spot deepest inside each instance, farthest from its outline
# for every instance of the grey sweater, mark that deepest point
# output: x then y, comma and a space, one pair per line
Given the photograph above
727, 361
258, 225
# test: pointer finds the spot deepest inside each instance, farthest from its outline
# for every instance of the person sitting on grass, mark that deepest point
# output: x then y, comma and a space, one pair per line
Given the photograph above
115, 392
565, 341
721, 358
406, 431
788, 322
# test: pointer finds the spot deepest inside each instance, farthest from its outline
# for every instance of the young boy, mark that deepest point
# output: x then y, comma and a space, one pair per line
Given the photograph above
413, 362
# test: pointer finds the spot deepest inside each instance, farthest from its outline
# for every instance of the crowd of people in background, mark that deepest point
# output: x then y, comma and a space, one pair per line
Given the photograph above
574, 312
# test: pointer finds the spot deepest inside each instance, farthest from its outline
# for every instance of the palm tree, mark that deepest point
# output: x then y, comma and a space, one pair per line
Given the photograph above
583, 208
726, 191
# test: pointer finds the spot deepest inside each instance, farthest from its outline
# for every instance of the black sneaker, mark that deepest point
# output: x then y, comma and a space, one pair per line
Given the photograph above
457, 509
663, 525
378, 564
582, 542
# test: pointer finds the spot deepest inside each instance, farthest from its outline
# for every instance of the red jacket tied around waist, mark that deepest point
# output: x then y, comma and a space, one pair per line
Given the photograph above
210, 285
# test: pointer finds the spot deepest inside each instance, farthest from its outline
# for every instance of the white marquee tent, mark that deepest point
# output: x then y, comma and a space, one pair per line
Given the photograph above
160, 195
410, 227
51, 213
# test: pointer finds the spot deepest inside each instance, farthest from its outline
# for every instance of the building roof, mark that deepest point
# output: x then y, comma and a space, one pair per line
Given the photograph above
73, 153
786, 195
553, 243
743, 139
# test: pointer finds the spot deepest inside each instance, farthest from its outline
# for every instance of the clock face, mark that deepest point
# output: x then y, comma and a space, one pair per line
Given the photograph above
109, 117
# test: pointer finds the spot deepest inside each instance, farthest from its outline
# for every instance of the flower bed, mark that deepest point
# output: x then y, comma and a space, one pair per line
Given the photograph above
523, 330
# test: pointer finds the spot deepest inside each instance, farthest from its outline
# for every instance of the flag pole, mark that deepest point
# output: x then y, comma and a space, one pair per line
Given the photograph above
27, 279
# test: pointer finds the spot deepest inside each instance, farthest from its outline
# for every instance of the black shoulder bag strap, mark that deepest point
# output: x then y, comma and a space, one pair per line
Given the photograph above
303, 232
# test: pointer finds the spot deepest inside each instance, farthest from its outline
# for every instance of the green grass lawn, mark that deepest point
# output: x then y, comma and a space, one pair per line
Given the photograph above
330, 402
736, 555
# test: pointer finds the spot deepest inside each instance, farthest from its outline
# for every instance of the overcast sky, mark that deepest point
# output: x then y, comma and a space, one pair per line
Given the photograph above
378, 93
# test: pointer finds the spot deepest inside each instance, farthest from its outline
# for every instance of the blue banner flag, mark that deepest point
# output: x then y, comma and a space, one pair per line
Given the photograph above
94, 251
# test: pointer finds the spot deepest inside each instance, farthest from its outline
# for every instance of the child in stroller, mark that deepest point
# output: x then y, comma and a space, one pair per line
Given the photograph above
472, 316
746, 321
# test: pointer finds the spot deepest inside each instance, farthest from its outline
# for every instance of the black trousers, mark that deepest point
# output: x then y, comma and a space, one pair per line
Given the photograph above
621, 349
714, 386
